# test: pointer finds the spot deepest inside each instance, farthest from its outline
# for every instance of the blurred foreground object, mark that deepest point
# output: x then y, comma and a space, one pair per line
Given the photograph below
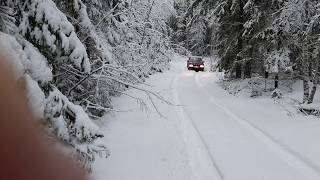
24, 154
65, 121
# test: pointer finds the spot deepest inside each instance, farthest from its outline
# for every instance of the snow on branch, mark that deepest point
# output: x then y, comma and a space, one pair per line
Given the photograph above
48, 27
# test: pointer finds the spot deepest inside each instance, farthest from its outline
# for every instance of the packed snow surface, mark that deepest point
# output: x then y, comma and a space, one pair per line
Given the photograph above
209, 134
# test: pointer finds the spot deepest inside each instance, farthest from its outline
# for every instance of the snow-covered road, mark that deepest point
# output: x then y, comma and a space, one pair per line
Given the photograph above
209, 136
239, 149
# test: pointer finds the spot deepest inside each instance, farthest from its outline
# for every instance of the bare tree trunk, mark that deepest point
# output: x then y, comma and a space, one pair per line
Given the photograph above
305, 72
314, 87
188, 38
306, 90
238, 69
312, 93
247, 69
276, 81
240, 41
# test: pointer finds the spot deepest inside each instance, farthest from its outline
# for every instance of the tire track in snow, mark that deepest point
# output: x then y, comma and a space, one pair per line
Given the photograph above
291, 158
200, 160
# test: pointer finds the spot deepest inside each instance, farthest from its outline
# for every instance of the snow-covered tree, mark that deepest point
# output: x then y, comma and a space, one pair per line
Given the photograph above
295, 28
143, 43
191, 26
39, 40
74, 55
45, 25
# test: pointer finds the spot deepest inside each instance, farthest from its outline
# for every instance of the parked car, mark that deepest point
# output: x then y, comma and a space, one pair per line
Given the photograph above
195, 63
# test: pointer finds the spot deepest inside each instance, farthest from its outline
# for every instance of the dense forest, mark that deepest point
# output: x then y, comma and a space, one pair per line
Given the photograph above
74, 55
254, 37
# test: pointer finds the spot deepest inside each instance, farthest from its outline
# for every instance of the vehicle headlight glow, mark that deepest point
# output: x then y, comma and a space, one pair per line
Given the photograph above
190, 65
201, 66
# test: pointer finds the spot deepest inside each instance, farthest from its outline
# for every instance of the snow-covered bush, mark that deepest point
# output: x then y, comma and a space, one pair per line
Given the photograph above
256, 86
276, 94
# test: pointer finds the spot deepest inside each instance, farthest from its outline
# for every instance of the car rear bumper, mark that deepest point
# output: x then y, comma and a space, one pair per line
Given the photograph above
196, 68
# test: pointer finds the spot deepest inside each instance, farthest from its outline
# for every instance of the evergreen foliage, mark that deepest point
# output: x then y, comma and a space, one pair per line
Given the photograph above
74, 55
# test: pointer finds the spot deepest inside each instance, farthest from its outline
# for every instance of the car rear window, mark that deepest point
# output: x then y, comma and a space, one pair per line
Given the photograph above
195, 59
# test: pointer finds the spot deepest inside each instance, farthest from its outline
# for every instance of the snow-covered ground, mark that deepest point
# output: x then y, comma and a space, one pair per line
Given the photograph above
210, 134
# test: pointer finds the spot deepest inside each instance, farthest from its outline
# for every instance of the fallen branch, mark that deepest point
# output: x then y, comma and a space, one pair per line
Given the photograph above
82, 80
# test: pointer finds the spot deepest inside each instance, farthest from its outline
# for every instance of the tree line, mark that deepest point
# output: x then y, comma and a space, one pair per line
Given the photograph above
254, 37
